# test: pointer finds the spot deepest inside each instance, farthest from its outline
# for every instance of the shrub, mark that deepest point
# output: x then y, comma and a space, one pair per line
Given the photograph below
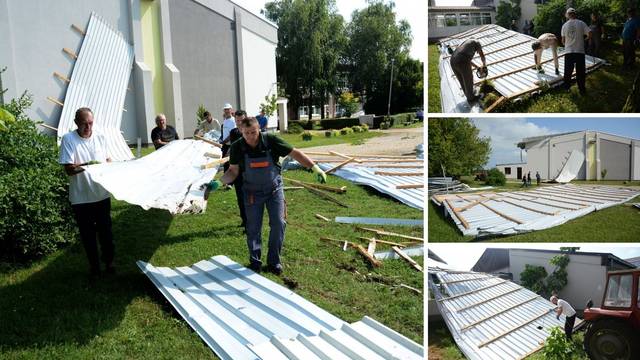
307, 136
200, 114
356, 129
335, 132
495, 178
328, 133
551, 15
306, 124
507, 11
35, 214
364, 127
377, 121
348, 102
408, 118
557, 346
489, 99
384, 125
295, 128
346, 131
328, 124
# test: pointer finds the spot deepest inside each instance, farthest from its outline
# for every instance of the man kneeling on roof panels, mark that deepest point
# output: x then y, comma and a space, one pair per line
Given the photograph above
545, 41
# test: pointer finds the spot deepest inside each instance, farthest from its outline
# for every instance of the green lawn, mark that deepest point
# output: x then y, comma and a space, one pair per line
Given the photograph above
607, 89
615, 224
48, 311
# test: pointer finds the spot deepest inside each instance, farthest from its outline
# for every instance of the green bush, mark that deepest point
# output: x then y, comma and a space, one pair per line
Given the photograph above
557, 346
364, 127
495, 178
489, 99
335, 132
384, 125
408, 118
356, 129
35, 214
346, 131
551, 15
307, 136
295, 128
307, 124
328, 133
328, 124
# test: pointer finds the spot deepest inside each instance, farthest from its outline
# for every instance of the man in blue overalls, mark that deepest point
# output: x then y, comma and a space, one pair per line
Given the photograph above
256, 155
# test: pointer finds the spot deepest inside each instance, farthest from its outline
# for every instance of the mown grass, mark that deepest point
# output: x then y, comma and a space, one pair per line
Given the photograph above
47, 309
320, 139
615, 224
607, 89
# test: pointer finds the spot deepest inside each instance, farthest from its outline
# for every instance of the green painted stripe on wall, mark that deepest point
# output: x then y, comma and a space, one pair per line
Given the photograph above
152, 49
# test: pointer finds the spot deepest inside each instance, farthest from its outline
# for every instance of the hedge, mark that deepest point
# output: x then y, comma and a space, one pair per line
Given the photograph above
327, 124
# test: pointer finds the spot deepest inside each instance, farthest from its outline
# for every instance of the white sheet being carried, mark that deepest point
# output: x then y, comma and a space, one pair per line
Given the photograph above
168, 178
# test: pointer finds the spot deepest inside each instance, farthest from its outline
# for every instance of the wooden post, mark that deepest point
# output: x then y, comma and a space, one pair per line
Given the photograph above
48, 126
54, 101
373, 261
70, 53
344, 156
388, 233
495, 104
207, 141
380, 241
77, 28
456, 214
61, 77
322, 218
407, 258
339, 166
214, 163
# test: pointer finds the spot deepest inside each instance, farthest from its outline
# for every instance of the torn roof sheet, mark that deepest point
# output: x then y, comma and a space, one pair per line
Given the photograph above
510, 62
238, 312
168, 178
514, 212
99, 81
387, 179
492, 318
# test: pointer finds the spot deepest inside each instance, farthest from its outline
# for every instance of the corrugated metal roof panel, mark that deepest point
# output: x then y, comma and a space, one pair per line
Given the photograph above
491, 318
366, 175
99, 81
508, 213
235, 311
510, 62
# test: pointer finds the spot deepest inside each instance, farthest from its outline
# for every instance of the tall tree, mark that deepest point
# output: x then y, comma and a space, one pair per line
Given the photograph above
310, 40
455, 145
374, 40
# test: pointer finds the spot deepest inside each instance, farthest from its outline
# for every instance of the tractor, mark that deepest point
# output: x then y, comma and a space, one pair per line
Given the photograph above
613, 330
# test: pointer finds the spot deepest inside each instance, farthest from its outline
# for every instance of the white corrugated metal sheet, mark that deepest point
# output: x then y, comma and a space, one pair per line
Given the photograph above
99, 81
515, 212
235, 310
168, 178
366, 175
363, 340
509, 60
492, 318
571, 167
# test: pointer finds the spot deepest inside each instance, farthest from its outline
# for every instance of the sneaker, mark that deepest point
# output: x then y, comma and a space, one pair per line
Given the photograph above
276, 269
256, 267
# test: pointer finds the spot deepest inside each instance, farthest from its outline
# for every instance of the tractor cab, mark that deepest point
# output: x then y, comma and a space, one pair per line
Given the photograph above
613, 331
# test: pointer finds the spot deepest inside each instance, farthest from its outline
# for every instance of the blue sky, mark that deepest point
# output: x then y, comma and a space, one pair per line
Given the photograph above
506, 132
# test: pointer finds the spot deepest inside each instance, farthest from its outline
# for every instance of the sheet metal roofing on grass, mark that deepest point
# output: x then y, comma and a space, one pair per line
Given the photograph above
513, 212
371, 175
492, 318
240, 314
510, 62
99, 81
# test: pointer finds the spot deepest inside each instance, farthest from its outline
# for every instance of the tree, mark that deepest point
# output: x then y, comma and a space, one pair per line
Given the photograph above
269, 106
310, 41
507, 11
456, 146
408, 85
374, 39
535, 278
551, 15
348, 102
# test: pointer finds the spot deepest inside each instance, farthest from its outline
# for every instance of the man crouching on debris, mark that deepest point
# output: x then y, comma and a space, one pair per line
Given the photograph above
545, 41
256, 156
563, 307
462, 63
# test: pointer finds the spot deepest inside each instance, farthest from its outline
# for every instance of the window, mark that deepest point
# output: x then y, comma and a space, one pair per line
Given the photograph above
476, 19
440, 21
507, 171
464, 20
619, 291
451, 20
486, 18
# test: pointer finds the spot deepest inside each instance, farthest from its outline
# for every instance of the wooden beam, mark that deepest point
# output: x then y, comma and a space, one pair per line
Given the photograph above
339, 166
322, 217
339, 190
388, 233
530, 208
495, 104
207, 141
541, 196
537, 86
324, 195
376, 161
470, 325
508, 195
466, 280
470, 205
563, 195
409, 186
515, 71
460, 217
485, 343
502, 214
70, 53
213, 155
61, 77
373, 261
214, 163
371, 249
380, 241
407, 258
473, 291
397, 166
292, 188
391, 173
54, 101
77, 28
48, 126
509, 58
345, 156
487, 300
596, 197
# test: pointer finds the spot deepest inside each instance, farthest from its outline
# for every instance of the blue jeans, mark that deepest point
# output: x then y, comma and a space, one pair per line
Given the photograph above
254, 204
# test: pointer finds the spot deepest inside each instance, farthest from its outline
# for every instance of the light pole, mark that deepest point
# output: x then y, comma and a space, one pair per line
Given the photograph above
390, 83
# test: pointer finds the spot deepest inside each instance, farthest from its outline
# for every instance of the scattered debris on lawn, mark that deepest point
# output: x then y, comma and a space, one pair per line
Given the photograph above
322, 218
379, 221
447, 185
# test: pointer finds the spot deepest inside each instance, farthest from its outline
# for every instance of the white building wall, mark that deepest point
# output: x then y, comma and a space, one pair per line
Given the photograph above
538, 158
586, 277
259, 64
561, 147
436, 32
636, 160
514, 170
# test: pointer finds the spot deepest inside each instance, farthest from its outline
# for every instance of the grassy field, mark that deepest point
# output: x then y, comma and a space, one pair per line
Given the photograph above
615, 224
607, 89
47, 309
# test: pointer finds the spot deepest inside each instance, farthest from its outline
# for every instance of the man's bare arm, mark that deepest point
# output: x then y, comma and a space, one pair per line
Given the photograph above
301, 158
231, 174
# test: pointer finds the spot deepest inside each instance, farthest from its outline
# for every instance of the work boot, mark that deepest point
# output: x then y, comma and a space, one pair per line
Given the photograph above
276, 269
540, 70
256, 267
557, 71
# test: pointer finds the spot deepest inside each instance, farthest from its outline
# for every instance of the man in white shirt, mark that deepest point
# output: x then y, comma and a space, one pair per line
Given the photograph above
90, 202
563, 308
573, 33
228, 124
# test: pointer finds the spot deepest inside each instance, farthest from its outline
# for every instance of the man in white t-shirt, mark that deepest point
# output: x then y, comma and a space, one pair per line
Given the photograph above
563, 308
573, 33
228, 124
90, 202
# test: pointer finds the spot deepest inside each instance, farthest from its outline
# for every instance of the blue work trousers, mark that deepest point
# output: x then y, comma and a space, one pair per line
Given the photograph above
254, 203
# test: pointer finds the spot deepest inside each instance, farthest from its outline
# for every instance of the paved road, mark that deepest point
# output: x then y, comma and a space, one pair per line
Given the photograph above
396, 141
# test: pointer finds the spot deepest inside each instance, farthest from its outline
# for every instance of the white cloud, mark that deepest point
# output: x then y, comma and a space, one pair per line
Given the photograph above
505, 133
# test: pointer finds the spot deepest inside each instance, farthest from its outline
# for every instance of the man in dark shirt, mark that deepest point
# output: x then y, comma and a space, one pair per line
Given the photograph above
256, 155
235, 135
461, 64
163, 134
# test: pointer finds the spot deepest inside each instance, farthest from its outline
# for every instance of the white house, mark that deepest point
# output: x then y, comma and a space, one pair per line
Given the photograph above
514, 170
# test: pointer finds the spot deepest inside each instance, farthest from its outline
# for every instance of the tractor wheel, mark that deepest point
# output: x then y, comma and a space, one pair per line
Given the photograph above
611, 339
